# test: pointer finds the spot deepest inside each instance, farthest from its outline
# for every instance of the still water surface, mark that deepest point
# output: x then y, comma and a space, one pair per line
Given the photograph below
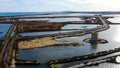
58, 52
3, 29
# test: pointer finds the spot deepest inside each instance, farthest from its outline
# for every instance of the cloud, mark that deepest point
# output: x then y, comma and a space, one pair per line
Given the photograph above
95, 5
93, 1
78, 1
44, 2
111, 5
30, 2
5, 0
60, 5
48, 4
6, 3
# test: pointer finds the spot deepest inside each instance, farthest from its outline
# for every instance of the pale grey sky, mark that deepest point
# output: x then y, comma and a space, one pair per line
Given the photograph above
58, 5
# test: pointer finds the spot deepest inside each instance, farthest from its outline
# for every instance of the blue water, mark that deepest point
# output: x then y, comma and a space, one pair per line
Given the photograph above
26, 13
62, 12
74, 26
58, 52
3, 29
18, 13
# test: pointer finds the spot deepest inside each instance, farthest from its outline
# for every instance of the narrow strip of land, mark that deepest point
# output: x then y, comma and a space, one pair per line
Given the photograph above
50, 42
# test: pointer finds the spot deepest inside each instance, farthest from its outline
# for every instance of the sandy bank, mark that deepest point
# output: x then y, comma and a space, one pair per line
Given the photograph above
43, 42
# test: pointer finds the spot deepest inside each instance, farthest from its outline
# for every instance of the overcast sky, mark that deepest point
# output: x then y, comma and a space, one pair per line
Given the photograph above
58, 5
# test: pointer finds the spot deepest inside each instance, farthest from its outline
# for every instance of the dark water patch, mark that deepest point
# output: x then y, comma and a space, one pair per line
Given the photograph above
3, 29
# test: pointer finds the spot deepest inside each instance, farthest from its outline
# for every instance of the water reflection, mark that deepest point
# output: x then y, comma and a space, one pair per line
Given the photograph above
62, 14
94, 46
51, 53
114, 20
3, 29
106, 65
56, 19
74, 26
78, 26
117, 35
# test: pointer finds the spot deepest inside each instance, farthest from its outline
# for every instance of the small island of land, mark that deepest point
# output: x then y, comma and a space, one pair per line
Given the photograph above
43, 42
42, 25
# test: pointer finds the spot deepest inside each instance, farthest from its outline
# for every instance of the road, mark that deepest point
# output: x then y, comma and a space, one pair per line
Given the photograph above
103, 26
